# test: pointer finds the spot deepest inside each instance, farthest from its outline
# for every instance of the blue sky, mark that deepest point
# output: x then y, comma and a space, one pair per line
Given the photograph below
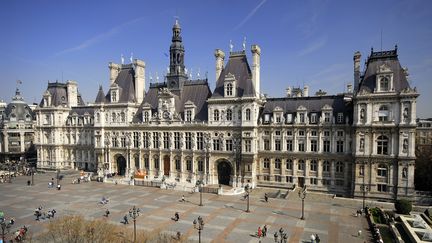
302, 42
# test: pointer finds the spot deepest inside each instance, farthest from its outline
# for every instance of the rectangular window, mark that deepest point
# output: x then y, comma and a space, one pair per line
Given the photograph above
229, 145
266, 144
340, 133
313, 181
277, 164
216, 145
146, 163
200, 166
301, 146
313, 118
248, 146
326, 146
178, 164
326, 182
146, 136
278, 145
188, 140
302, 117
266, 164
340, 117
278, 178
289, 133
156, 163
289, 118
314, 145
314, 133
200, 141
289, 144
189, 165
136, 139
277, 133
289, 179
326, 133
339, 146
327, 117
166, 140
382, 188
155, 140
301, 133
176, 140
188, 115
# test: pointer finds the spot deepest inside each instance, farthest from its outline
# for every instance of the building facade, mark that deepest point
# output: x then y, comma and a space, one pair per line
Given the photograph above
16, 129
361, 141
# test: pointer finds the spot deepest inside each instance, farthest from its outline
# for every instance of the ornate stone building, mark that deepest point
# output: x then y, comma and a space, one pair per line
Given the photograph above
16, 129
359, 141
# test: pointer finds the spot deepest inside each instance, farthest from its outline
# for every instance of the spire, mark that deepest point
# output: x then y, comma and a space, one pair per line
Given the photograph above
176, 73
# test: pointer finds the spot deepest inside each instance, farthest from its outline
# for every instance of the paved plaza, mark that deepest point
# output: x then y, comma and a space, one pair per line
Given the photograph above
224, 216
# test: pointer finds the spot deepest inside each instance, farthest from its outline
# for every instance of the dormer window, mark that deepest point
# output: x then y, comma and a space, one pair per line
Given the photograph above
340, 117
189, 115
266, 118
229, 85
229, 89
327, 117
289, 118
313, 118
146, 116
248, 114
384, 84
302, 117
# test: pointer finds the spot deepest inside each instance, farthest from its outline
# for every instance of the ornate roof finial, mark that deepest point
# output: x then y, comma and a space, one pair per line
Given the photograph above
244, 43
231, 46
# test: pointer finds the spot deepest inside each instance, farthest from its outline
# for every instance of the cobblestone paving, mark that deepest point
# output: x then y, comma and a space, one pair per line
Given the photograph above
224, 216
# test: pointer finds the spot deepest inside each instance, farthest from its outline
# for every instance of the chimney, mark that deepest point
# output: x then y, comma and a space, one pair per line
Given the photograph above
220, 56
357, 57
256, 53
72, 92
305, 91
349, 88
288, 91
139, 66
114, 71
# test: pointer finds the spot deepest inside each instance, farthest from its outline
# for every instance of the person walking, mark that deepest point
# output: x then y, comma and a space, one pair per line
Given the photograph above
259, 232
266, 197
264, 231
125, 219
183, 198
107, 212
317, 239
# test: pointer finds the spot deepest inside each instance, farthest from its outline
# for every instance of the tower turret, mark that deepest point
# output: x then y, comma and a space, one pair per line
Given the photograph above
176, 75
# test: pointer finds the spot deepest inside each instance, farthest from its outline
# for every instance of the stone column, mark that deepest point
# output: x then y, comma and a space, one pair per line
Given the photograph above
294, 170
319, 171
6, 141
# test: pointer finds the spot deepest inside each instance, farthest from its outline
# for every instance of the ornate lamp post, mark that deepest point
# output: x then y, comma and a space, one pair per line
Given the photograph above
32, 175
200, 188
207, 146
199, 225
302, 195
5, 226
134, 213
247, 190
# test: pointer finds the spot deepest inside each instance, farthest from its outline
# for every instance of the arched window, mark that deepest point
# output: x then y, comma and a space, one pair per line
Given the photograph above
277, 163
339, 167
384, 84
326, 166
313, 165
382, 170
229, 89
216, 115
301, 165
383, 113
248, 114
382, 145
289, 164
229, 115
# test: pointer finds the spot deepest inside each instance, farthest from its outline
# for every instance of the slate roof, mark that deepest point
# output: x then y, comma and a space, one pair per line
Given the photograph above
81, 110
59, 94
377, 59
100, 98
239, 67
196, 91
19, 108
126, 82
313, 104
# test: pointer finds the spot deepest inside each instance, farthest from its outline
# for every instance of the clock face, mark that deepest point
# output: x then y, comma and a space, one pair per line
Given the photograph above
166, 114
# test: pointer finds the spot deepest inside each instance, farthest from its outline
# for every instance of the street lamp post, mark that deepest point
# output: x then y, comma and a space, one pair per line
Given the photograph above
302, 195
32, 175
134, 213
5, 226
199, 225
247, 190
199, 183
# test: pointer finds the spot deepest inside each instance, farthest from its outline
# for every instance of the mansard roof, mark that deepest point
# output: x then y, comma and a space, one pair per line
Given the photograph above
59, 94
373, 64
239, 67
196, 91
126, 83
311, 103
18, 108
82, 110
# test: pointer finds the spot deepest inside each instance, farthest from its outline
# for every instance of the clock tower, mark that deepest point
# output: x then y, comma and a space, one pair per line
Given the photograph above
176, 75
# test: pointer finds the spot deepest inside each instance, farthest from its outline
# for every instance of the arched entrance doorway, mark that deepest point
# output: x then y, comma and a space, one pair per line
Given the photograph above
121, 165
224, 172
166, 165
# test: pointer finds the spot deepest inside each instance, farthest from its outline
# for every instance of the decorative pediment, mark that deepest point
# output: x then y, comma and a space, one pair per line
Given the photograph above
277, 109
384, 69
301, 108
230, 77
326, 107
146, 106
189, 104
